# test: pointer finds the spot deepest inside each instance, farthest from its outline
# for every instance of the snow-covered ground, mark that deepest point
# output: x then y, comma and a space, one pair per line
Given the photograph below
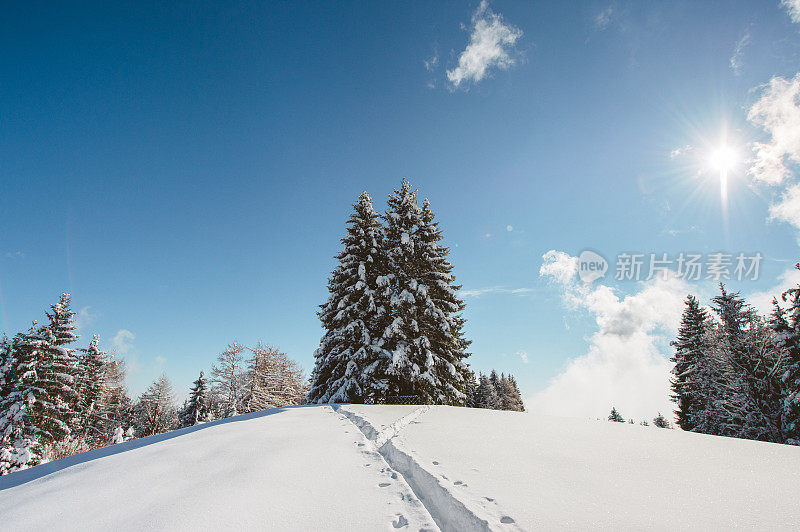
357, 467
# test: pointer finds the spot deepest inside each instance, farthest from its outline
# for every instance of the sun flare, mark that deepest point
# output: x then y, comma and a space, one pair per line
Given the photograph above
723, 158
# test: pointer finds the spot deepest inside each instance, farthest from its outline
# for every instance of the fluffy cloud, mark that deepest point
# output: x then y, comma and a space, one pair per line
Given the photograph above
559, 266
123, 341
777, 112
624, 366
490, 42
793, 8
762, 301
84, 318
523, 355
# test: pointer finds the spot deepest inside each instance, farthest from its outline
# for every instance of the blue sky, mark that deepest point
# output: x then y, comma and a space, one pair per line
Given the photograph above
185, 171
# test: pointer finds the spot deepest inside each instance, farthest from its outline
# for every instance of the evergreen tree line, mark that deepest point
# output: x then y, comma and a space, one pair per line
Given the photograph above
392, 322
57, 400
737, 373
495, 393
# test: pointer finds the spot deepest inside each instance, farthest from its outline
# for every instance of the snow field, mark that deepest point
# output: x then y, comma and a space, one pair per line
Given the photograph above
369, 467
298, 468
555, 473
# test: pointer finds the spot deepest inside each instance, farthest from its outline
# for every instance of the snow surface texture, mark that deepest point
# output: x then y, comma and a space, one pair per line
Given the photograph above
515, 469
363, 467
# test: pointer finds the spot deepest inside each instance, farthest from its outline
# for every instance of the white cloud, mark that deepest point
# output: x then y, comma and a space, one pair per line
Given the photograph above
762, 301
777, 112
477, 292
123, 341
84, 318
603, 19
624, 366
793, 8
738, 52
523, 356
14, 255
788, 208
559, 265
490, 42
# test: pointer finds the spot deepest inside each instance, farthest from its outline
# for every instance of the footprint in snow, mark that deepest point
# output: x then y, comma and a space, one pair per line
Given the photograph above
435, 462
400, 522
384, 484
457, 482
489, 499
506, 520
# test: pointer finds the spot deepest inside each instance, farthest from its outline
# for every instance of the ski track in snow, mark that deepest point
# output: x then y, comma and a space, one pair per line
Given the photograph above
448, 510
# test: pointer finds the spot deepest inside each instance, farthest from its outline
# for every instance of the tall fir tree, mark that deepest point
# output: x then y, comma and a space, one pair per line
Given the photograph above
403, 338
19, 445
441, 323
425, 335
351, 364
688, 388
92, 389
57, 374
750, 378
198, 407
786, 324
486, 394
38, 377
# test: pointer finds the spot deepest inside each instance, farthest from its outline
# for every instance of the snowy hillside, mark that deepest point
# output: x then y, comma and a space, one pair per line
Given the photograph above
360, 467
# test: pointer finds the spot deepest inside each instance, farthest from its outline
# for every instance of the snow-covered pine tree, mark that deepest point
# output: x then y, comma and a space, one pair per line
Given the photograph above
6, 367
35, 372
486, 394
749, 387
92, 390
350, 363
198, 407
403, 338
440, 338
471, 390
155, 410
660, 421
689, 390
228, 379
515, 402
274, 380
786, 324
58, 373
19, 448
615, 416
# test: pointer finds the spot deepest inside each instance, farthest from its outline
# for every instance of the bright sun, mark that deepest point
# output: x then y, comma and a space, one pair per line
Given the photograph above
723, 158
